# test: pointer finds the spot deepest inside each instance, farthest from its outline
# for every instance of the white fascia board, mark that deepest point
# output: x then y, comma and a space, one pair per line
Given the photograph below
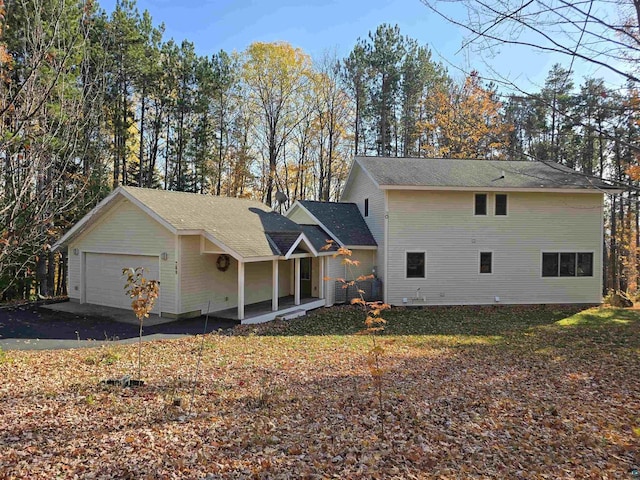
262, 259
150, 212
87, 220
300, 255
499, 189
375, 182
348, 182
361, 247
301, 238
295, 205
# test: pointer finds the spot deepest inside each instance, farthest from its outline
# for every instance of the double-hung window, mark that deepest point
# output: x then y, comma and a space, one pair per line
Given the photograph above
416, 263
480, 206
486, 262
501, 204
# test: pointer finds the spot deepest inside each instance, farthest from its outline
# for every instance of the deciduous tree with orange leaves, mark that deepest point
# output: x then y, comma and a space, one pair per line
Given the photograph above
464, 121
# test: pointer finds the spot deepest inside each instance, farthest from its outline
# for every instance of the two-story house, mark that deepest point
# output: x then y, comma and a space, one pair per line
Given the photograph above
432, 231
481, 231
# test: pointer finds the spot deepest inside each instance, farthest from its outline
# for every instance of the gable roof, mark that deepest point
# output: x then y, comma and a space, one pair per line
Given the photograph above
244, 228
447, 173
319, 237
342, 220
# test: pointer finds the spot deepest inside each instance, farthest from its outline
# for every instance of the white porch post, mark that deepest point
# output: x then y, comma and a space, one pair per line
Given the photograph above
274, 284
296, 276
240, 290
321, 281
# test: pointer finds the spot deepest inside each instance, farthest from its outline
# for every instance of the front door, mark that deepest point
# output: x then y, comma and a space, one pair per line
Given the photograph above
305, 277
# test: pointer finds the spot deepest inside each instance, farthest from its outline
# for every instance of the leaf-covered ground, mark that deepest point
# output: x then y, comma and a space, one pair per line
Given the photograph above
545, 392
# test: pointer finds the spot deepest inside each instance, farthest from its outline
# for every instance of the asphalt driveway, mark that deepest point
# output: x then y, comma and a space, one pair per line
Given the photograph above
38, 328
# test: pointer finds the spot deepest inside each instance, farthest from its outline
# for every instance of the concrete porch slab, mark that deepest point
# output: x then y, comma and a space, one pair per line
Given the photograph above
261, 312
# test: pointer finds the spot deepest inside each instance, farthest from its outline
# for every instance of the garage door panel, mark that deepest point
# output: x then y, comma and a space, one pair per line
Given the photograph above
104, 282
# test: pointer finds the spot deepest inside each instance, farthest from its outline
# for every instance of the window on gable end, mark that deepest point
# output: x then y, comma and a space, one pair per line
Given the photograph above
480, 207
366, 207
501, 204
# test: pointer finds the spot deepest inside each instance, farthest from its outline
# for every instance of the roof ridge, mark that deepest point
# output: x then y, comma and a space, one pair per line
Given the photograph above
180, 192
468, 159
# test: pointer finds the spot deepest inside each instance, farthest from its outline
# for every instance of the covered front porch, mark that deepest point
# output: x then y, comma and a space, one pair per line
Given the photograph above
254, 289
303, 297
262, 311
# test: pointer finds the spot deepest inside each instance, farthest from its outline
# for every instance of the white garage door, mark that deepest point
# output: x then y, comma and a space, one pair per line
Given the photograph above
104, 283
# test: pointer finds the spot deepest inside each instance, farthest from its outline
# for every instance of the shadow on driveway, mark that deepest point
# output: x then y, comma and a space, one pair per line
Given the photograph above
36, 328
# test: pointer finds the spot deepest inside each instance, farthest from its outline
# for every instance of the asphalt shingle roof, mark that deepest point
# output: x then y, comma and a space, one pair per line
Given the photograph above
446, 172
342, 220
318, 238
283, 241
242, 225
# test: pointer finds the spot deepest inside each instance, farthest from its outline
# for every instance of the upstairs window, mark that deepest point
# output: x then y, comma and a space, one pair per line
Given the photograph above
486, 262
366, 207
501, 204
480, 204
415, 265
567, 264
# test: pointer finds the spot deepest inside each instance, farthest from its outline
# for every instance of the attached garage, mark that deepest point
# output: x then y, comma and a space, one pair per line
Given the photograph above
180, 239
103, 280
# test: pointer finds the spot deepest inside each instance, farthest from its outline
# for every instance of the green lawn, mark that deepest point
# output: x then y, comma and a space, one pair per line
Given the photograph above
473, 392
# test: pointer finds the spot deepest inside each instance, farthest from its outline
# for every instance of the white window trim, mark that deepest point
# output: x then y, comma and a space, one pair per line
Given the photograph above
593, 263
495, 203
424, 252
473, 204
480, 252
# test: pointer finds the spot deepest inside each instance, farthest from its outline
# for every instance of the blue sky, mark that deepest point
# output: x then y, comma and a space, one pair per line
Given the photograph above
318, 26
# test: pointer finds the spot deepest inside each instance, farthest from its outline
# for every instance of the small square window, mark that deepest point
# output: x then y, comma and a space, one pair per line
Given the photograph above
501, 204
366, 207
415, 265
486, 262
480, 204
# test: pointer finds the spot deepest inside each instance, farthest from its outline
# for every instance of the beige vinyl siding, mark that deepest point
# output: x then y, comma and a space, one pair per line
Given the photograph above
335, 269
443, 225
361, 187
258, 280
201, 281
126, 229
298, 215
